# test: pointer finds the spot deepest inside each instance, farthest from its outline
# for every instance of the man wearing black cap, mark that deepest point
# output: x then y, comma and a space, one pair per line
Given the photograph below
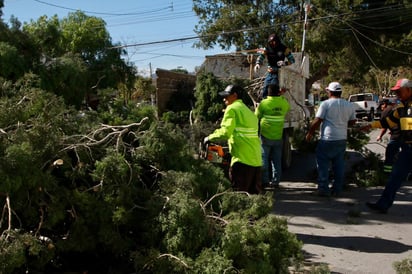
400, 117
239, 127
276, 54
393, 146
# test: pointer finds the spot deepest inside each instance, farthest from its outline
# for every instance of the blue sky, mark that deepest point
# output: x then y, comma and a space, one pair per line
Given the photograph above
131, 22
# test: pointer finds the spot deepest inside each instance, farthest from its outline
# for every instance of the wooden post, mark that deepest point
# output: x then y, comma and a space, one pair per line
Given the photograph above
250, 61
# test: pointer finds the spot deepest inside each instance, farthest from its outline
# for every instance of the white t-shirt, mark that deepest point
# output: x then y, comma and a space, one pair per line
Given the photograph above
335, 113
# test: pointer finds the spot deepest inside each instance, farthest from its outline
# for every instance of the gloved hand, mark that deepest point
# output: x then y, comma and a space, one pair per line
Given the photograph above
256, 68
281, 63
206, 141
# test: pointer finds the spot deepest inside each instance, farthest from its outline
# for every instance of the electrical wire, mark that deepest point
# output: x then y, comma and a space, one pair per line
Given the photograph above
382, 45
151, 16
104, 13
364, 49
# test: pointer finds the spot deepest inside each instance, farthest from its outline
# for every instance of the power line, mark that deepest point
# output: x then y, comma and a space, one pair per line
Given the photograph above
364, 49
105, 13
156, 42
150, 18
179, 15
382, 45
260, 27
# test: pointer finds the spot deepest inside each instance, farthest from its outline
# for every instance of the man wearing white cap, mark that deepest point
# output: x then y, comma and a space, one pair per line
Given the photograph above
401, 118
333, 116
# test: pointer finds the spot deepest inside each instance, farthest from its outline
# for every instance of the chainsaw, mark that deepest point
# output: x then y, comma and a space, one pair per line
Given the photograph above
215, 153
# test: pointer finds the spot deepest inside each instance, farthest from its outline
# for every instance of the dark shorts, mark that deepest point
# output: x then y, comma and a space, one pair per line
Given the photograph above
246, 178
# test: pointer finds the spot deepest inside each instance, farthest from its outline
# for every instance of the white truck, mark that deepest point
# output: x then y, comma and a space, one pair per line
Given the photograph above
366, 105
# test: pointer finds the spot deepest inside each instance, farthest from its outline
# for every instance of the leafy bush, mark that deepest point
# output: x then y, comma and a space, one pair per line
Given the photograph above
120, 198
369, 172
403, 267
16, 246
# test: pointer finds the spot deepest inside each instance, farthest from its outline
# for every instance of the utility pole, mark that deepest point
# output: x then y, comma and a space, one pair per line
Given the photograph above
305, 24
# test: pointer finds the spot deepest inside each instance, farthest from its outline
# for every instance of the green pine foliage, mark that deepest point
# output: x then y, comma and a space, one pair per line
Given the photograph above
209, 105
113, 197
16, 246
404, 266
110, 188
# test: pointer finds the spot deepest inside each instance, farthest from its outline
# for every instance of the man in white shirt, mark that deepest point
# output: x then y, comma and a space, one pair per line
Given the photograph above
333, 116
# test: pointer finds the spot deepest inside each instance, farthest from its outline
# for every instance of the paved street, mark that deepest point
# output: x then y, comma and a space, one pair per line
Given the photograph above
342, 232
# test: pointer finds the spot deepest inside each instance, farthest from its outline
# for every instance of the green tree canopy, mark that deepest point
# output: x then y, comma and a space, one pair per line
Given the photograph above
73, 51
344, 39
240, 24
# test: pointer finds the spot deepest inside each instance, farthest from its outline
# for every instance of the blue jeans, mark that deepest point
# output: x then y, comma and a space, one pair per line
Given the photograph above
400, 171
272, 160
271, 78
327, 153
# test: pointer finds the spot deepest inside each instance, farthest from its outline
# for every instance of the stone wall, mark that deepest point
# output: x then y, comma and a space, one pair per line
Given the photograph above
168, 83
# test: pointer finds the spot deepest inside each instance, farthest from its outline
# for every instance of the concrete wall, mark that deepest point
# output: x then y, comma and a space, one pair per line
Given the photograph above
226, 66
230, 65
241, 65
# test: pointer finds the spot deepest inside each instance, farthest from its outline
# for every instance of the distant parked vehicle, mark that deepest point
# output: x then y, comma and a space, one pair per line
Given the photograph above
366, 105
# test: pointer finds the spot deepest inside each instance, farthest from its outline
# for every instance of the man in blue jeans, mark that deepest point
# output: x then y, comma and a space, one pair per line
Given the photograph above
333, 116
271, 113
400, 117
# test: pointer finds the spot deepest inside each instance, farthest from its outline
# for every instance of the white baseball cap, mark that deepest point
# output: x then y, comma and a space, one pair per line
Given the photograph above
334, 87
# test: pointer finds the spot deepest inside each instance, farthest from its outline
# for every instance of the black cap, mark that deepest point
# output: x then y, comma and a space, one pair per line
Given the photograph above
273, 37
230, 89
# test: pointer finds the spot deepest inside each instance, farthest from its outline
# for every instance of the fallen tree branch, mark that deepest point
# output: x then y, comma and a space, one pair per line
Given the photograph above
9, 209
173, 257
94, 138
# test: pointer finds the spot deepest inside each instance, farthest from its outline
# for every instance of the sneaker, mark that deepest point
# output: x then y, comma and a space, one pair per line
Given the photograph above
335, 194
376, 208
268, 186
274, 185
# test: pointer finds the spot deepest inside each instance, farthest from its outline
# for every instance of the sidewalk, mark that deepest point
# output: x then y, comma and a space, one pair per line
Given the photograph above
342, 232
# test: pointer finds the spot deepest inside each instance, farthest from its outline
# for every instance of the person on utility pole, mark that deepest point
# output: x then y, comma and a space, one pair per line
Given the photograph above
277, 55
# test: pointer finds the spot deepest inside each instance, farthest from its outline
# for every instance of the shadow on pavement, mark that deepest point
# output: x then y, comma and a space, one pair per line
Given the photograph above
303, 167
360, 244
298, 199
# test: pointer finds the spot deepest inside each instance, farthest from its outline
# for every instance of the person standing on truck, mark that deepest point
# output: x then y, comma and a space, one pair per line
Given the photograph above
271, 113
333, 116
240, 127
394, 145
276, 53
400, 117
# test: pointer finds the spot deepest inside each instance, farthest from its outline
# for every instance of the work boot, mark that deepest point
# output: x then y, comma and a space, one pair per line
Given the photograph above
375, 207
